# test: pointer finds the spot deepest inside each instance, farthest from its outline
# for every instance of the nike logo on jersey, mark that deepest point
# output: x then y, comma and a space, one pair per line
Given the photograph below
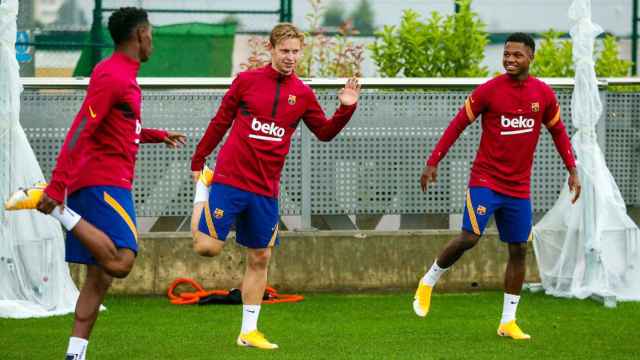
517, 125
92, 113
271, 131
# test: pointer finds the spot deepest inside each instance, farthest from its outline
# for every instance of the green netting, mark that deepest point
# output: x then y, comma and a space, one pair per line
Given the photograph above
189, 50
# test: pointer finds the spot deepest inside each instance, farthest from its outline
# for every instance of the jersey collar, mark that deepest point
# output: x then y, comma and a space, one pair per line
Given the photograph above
129, 64
272, 73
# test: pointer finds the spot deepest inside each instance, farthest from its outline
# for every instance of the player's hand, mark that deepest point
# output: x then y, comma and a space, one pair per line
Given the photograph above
195, 175
429, 175
174, 139
574, 184
349, 94
46, 204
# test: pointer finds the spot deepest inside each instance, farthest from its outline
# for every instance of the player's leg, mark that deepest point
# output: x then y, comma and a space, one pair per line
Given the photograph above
478, 209
116, 262
516, 268
216, 216
72, 217
258, 231
109, 212
201, 196
96, 285
107, 233
514, 224
455, 248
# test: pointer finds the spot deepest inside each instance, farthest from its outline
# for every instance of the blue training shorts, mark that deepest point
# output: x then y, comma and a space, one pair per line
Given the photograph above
109, 209
256, 216
513, 215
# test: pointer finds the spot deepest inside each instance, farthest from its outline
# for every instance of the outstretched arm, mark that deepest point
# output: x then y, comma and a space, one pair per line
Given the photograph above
449, 137
473, 106
326, 129
218, 126
172, 139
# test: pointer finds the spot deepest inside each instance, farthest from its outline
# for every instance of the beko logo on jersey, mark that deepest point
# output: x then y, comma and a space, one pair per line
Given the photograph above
276, 133
523, 124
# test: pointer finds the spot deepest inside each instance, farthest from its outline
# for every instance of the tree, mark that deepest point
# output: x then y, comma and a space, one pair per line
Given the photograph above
334, 14
442, 46
609, 63
325, 56
554, 58
363, 18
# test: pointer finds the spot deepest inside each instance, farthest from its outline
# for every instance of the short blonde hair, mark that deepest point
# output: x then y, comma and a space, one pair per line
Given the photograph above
284, 31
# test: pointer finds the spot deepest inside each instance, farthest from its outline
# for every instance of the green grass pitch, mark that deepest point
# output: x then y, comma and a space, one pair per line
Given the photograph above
341, 326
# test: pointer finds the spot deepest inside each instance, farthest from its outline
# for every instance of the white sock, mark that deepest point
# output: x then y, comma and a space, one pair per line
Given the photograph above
77, 348
202, 193
433, 275
509, 307
249, 318
67, 217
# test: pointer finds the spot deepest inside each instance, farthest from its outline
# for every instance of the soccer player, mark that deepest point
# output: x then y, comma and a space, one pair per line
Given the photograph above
90, 188
263, 108
514, 107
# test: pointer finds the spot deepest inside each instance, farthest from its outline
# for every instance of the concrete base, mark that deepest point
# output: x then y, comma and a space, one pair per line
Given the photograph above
321, 261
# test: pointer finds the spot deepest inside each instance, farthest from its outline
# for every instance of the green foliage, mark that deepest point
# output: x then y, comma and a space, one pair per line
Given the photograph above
329, 56
323, 56
334, 14
609, 63
363, 18
554, 58
451, 46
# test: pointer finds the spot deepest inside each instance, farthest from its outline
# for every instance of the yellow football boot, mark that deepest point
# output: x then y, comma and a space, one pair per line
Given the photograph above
512, 330
422, 299
26, 199
206, 176
255, 339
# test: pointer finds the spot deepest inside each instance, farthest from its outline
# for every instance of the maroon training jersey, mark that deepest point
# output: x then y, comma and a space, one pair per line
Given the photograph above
101, 146
263, 109
513, 113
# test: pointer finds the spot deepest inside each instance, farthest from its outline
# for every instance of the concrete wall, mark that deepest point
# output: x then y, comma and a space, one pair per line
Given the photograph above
321, 261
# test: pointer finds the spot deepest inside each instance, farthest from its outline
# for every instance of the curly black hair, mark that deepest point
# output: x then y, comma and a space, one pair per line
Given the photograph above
522, 38
124, 21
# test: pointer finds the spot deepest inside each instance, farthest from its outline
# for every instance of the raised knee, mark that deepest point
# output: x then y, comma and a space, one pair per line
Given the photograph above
119, 269
206, 248
206, 251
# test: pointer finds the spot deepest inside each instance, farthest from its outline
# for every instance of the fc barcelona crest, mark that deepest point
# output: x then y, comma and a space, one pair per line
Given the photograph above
218, 213
482, 210
535, 107
292, 100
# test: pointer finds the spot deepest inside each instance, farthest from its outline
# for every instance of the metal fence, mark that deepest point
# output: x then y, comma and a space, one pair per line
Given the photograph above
371, 167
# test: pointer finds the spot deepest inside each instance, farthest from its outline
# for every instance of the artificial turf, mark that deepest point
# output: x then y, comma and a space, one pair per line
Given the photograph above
341, 326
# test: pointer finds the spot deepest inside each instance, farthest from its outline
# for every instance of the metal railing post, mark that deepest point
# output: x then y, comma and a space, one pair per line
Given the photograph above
305, 159
96, 34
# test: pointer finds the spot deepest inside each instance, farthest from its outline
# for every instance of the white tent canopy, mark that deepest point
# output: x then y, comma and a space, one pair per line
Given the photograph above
34, 279
591, 247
